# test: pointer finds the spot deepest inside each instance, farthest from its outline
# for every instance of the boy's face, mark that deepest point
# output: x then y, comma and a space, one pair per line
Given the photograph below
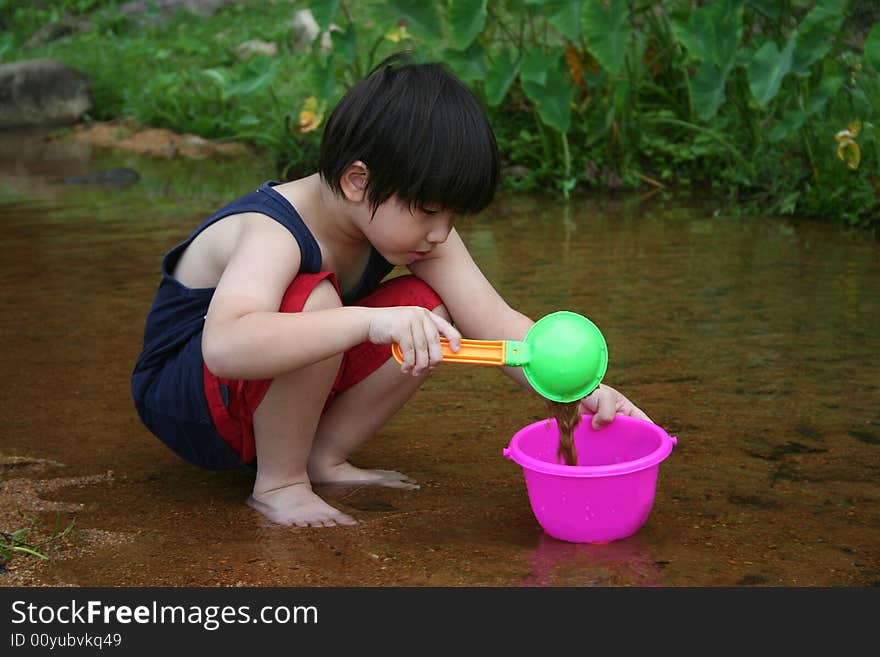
403, 235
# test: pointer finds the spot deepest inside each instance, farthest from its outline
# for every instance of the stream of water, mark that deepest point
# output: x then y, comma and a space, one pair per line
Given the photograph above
755, 341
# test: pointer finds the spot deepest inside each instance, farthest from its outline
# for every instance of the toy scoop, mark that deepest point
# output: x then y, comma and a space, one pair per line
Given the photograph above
563, 356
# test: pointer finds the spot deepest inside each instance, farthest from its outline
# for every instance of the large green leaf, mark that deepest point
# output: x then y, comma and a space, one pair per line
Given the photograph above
815, 34
793, 119
712, 33
345, 44
770, 8
827, 89
255, 77
788, 124
766, 70
323, 11
422, 18
535, 65
707, 90
501, 75
469, 65
607, 32
711, 37
553, 98
322, 80
565, 16
872, 48
691, 39
464, 20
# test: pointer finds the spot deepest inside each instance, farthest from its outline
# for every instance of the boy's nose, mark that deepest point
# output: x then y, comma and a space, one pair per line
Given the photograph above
437, 237
439, 233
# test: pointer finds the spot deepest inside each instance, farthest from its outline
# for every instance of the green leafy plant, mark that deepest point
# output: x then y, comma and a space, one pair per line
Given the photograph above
13, 544
741, 97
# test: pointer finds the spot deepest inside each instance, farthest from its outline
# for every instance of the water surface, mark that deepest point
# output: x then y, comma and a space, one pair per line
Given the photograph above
754, 341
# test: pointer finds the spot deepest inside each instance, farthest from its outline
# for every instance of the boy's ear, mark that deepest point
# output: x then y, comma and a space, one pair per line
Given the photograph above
354, 181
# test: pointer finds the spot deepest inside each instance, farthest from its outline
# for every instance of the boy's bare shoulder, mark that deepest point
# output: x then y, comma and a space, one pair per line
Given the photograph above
247, 234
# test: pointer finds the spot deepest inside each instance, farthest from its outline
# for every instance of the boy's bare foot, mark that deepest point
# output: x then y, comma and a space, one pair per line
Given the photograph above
298, 505
346, 473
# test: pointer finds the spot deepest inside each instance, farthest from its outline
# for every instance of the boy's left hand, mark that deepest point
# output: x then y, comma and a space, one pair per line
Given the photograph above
605, 402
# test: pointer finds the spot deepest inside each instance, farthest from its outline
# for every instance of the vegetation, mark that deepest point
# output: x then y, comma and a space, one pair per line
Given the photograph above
773, 104
13, 544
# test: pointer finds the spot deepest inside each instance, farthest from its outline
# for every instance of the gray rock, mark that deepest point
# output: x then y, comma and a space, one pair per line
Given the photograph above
42, 92
303, 29
156, 11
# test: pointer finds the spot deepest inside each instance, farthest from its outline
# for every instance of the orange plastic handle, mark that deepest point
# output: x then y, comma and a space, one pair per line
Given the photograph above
475, 352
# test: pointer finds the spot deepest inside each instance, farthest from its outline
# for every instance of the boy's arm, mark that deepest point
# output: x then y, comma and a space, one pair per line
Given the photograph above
477, 309
245, 336
481, 313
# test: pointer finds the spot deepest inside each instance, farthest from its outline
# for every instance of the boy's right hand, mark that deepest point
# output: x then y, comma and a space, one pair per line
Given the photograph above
417, 331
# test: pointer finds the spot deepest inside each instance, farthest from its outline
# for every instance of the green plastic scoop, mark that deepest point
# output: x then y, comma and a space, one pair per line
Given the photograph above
563, 356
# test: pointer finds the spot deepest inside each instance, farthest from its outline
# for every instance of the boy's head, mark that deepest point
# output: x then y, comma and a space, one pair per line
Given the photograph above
422, 134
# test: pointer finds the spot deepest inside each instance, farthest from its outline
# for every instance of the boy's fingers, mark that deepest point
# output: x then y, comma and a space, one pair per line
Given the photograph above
448, 330
420, 349
406, 347
605, 408
435, 352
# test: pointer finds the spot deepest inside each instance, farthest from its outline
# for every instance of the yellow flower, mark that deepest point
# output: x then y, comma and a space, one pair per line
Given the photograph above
847, 149
311, 115
398, 34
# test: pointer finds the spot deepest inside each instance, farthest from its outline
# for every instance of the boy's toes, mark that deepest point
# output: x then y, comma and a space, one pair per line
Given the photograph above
396, 479
399, 483
399, 480
344, 519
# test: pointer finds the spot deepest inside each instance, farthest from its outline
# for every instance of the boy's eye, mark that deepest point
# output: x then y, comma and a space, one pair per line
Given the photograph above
429, 211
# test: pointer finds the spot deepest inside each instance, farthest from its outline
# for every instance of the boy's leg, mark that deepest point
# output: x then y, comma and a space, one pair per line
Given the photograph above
284, 427
356, 414
280, 422
370, 390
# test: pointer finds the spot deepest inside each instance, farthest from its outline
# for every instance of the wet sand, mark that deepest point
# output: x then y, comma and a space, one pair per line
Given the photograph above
755, 342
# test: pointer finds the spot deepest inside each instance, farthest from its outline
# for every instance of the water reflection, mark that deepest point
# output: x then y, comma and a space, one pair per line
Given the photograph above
627, 562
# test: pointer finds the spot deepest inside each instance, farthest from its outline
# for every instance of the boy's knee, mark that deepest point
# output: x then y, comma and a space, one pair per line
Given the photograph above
324, 296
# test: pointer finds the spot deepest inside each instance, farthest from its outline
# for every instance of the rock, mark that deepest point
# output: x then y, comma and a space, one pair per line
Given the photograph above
121, 177
156, 11
42, 92
256, 47
517, 172
304, 29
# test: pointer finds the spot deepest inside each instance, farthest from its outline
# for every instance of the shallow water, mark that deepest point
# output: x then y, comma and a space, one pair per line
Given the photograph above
756, 342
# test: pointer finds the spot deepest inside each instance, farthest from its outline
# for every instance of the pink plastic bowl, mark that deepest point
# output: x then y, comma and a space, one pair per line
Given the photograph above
608, 494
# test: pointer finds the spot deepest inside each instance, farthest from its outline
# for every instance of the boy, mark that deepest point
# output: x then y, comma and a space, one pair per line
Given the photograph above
268, 342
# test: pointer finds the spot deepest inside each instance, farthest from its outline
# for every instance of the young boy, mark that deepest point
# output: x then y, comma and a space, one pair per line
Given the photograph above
268, 342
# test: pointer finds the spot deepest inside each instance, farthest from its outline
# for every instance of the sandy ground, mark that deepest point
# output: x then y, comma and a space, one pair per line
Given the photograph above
22, 487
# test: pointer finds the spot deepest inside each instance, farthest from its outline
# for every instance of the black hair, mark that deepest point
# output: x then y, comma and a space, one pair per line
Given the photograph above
421, 132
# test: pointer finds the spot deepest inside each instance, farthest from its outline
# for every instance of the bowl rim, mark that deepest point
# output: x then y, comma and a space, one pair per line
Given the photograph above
517, 455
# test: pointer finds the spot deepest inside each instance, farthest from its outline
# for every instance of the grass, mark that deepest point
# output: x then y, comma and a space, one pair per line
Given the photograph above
13, 543
184, 73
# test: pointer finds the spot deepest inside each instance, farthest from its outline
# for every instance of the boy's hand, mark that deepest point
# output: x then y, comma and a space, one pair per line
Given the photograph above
605, 402
417, 331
